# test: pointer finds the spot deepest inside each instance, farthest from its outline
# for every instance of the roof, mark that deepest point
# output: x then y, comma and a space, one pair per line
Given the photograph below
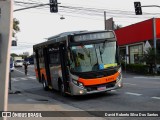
135, 33
62, 37
64, 34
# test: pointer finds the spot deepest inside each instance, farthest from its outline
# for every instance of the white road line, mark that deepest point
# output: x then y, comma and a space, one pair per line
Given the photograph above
24, 78
14, 79
113, 90
20, 71
147, 77
32, 77
129, 84
130, 93
156, 98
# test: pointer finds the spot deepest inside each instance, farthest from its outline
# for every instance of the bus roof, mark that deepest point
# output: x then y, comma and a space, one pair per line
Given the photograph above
62, 36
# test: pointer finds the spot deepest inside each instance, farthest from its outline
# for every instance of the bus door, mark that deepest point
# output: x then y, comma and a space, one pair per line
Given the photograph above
46, 61
63, 59
37, 65
54, 65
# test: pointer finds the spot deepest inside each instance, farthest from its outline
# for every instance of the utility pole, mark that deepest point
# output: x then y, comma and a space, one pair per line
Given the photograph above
155, 44
6, 22
154, 35
105, 20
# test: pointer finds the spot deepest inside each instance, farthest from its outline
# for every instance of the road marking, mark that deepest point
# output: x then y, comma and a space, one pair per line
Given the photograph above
156, 98
24, 78
20, 71
129, 84
113, 90
32, 77
136, 94
14, 79
147, 77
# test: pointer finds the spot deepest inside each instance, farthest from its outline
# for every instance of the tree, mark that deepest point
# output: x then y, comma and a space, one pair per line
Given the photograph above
151, 59
14, 55
15, 26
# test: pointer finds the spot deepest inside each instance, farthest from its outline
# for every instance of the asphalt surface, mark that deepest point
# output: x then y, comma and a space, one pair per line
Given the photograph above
139, 93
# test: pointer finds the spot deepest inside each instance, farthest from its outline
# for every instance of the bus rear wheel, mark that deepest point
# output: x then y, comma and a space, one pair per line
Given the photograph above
61, 89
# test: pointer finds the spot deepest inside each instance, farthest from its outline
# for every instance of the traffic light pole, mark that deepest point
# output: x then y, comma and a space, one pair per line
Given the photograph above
35, 6
40, 5
6, 22
150, 6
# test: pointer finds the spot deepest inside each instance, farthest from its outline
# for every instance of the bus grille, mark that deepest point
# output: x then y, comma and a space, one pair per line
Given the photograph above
95, 87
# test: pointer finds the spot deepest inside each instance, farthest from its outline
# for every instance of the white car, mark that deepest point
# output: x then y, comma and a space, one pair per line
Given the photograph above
18, 63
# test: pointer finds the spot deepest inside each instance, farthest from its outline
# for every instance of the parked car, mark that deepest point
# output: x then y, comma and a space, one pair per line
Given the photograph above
26, 62
11, 64
18, 63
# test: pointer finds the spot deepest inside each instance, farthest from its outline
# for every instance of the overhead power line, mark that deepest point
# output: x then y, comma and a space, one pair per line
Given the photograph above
83, 10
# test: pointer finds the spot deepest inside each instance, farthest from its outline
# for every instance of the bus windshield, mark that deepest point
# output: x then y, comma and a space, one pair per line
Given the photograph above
93, 57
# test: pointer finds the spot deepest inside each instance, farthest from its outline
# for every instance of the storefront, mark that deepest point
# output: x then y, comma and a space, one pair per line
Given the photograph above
134, 40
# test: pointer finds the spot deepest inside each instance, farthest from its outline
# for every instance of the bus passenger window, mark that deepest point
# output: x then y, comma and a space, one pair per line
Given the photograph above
54, 58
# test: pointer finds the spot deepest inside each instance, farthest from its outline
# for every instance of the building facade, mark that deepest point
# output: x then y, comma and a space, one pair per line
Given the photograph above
135, 39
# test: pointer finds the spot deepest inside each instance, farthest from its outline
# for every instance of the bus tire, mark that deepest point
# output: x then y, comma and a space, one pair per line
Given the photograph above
45, 87
61, 88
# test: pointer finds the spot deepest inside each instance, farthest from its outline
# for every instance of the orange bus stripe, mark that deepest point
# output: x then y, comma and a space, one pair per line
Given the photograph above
42, 71
97, 81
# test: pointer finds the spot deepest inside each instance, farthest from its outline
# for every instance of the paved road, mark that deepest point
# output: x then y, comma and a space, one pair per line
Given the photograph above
139, 93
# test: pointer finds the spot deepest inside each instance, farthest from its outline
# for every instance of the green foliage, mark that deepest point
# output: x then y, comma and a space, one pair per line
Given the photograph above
136, 68
14, 55
15, 26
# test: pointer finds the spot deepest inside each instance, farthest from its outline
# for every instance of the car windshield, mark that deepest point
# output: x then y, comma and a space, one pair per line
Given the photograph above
19, 60
93, 57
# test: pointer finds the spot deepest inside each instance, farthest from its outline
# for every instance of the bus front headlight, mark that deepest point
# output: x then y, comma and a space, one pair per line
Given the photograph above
119, 77
78, 83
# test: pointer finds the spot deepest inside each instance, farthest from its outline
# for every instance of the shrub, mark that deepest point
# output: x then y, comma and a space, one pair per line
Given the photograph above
136, 68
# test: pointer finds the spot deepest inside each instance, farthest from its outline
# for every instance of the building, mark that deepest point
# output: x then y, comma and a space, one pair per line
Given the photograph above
135, 39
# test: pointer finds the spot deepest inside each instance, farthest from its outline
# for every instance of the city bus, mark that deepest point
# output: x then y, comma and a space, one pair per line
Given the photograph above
79, 63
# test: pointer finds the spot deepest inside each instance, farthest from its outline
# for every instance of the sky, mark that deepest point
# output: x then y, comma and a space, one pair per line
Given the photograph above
37, 24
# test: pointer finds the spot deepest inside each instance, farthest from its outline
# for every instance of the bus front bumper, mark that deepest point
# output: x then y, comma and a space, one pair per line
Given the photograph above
76, 90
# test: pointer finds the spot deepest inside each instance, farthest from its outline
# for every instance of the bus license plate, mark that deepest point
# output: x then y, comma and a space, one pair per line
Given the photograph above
101, 88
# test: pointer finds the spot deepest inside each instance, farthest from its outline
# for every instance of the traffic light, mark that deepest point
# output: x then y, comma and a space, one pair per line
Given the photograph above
14, 43
138, 9
53, 6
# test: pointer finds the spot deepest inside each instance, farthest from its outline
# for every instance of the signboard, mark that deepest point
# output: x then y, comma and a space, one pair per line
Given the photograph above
94, 36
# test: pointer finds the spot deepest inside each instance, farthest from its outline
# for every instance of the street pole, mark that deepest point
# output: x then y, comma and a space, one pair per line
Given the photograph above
105, 20
155, 42
6, 22
154, 34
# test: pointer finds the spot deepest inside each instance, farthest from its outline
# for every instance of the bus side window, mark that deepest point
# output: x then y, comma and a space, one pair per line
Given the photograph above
54, 58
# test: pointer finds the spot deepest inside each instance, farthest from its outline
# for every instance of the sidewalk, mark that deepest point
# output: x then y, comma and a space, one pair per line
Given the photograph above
127, 74
30, 102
